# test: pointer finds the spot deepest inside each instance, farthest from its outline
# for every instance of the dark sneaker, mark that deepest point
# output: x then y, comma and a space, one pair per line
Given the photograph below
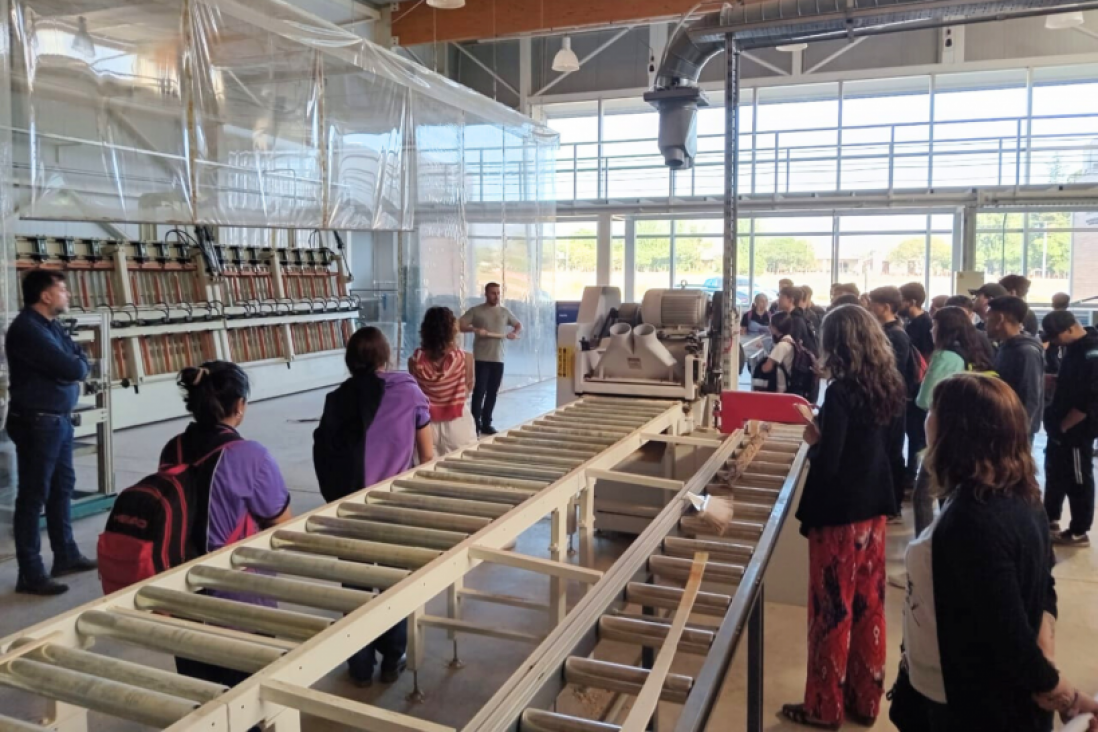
897, 519
1066, 538
488, 430
1054, 527
43, 587
365, 683
390, 673
73, 566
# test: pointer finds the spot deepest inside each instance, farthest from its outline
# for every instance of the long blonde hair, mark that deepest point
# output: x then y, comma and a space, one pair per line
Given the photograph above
856, 351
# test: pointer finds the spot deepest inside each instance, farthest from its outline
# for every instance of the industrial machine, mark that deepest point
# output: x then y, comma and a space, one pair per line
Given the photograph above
658, 348
418, 536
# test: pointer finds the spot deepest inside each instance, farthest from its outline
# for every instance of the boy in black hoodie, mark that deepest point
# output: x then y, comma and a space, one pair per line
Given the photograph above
1071, 420
1020, 360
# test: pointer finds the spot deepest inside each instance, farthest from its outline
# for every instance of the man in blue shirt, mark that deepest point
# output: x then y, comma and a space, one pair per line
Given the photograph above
46, 370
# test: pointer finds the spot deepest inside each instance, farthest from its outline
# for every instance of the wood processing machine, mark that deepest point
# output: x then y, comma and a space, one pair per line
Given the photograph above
417, 537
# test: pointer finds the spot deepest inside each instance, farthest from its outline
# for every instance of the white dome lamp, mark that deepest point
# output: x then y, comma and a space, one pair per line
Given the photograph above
1063, 21
566, 61
446, 4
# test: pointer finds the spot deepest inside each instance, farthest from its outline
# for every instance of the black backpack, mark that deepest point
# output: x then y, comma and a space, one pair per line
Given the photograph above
161, 521
800, 379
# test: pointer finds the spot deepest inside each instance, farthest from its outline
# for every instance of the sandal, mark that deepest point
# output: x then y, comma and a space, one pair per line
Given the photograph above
798, 714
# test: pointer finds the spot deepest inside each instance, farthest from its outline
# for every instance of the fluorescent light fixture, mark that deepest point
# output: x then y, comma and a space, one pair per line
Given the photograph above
1063, 21
792, 47
446, 4
566, 61
82, 43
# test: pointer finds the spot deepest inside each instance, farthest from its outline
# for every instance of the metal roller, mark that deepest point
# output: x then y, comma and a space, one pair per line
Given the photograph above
11, 724
354, 550
537, 720
387, 533
676, 546
524, 450
502, 470
623, 679
784, 458
761, 480
100, 695
652, 635
755, 494
708, 603
603, 437
412, 517
487, 452
531, 441
463, 491
606, 426
125, 672
322, 568
197, 646
436, 503
679, 569
530, 465
694, 526
565, 437
619, 422
246, 616
767, 468
639, 418
518, 484
309, 594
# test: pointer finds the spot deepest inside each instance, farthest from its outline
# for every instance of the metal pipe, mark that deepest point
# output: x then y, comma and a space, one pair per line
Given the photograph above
322, 568
467, 491
124, 672
756, 494
234, 654
623, 679
676, 546
354, 550
533, 486
708, 603
309, 594
501, 470
509, 462
601, 419
652, 635
100, 695
436, 503
673, 568
537, 720
509, 448
412, 517
543, 442
608, 426
246, 616
571, 442
589, 434
387, 533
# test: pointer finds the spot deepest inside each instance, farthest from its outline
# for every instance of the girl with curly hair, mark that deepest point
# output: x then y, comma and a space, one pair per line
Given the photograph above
846, 499
445, 374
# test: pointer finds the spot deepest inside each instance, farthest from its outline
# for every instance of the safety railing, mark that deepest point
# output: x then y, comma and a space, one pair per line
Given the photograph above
990, 151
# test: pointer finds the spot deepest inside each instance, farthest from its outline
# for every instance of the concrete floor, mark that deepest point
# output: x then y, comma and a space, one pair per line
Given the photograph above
454, 696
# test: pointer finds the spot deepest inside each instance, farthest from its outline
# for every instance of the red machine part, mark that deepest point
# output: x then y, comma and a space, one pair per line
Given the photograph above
738, 407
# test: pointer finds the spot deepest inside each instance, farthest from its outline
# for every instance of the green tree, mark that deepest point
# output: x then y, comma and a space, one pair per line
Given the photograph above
783, 254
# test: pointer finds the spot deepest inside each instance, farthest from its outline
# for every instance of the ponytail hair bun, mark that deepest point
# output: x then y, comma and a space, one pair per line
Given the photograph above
211, 391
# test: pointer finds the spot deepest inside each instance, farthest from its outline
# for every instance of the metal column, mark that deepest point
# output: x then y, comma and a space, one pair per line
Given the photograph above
755, 664
729, 330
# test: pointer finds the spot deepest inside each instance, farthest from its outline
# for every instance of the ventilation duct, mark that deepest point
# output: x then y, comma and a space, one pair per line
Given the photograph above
781, 22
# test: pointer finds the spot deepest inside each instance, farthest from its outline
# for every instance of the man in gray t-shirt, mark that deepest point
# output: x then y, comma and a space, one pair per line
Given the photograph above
489, 322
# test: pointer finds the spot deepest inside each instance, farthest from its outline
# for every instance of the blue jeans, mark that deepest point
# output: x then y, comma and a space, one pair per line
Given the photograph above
43, 450
391, 645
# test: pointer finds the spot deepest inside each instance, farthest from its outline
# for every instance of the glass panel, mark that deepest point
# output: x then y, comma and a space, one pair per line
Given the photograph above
876, 260
652, 256
1084, 256
617, 264
803, 259
998, 245
576, 260
1050, 255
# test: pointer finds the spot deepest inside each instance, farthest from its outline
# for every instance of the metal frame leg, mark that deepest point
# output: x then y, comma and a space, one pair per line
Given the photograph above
755, 664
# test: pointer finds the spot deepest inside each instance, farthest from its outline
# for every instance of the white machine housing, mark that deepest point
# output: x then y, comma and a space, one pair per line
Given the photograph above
658, 348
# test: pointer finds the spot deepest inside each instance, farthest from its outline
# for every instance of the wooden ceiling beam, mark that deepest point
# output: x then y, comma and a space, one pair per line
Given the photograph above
415, 22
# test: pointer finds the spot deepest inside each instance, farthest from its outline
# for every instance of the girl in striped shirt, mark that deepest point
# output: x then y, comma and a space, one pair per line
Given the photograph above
445, 374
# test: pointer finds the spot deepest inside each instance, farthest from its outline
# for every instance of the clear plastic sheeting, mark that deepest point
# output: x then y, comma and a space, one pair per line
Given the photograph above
248, 114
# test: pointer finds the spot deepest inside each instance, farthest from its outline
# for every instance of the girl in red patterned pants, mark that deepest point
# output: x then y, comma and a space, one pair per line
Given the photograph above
847, 495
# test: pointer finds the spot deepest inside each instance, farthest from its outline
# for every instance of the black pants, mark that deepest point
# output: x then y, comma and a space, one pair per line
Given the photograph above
489, 375
916, 438
391, 645
894, 448
1069, 472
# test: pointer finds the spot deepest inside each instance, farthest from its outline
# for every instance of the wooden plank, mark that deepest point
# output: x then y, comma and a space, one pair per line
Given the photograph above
645, 705
464, 626
536, 564
344, 711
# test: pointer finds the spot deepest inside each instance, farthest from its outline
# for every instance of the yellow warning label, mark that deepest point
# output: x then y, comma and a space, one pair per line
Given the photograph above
566, 362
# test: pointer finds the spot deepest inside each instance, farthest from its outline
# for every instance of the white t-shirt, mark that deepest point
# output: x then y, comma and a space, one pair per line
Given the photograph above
924, 661
782, 355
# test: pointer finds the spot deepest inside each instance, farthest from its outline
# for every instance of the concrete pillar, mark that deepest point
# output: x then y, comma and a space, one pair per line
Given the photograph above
602, 249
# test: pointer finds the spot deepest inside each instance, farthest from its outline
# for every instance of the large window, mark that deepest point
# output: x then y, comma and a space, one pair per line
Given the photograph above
576, 258
1002, 127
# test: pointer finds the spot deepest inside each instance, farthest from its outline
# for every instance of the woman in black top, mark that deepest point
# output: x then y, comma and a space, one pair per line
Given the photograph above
847, 495
980, 614
756, 321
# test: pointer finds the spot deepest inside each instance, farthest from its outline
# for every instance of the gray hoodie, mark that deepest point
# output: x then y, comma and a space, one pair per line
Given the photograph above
1020, 362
